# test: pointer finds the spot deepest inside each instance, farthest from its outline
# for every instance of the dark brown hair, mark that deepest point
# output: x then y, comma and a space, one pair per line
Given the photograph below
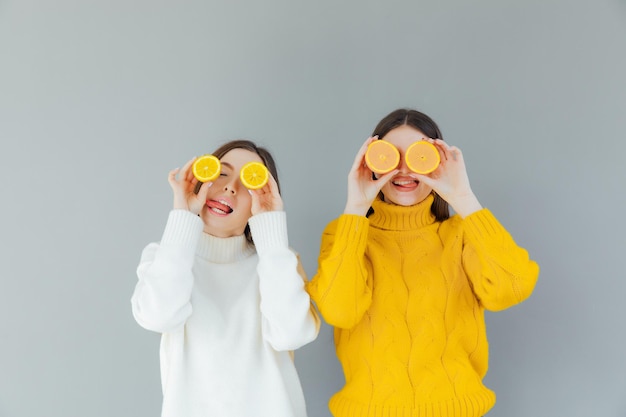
427, 126
263, 153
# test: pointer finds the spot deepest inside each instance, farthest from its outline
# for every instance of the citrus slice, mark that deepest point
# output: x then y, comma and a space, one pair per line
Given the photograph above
382, 157
206, 168
254, 175
422, 157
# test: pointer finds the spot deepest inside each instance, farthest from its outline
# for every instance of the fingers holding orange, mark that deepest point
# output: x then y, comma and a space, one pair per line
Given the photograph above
272, 185
360, 156
382, 157
447, 152
184, 173
422, 157
206, 168
180, 175
254, 175
265, 198
171, 176
451, 152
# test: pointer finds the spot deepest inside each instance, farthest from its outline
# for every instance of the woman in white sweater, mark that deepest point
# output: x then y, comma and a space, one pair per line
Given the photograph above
227, 294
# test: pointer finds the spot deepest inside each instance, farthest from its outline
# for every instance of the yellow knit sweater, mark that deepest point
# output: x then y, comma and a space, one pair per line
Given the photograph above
406, 296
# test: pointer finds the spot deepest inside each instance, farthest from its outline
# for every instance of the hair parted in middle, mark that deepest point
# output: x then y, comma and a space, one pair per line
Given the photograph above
426, 125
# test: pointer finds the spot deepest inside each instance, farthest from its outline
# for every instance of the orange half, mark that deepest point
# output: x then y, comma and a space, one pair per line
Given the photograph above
206, 168
254, 175
382, 157
422, 157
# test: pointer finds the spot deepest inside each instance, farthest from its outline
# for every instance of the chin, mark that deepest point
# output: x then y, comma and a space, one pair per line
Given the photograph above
405, 200
407, 203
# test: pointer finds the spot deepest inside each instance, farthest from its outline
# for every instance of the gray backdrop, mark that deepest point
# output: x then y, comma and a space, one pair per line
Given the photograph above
100, 99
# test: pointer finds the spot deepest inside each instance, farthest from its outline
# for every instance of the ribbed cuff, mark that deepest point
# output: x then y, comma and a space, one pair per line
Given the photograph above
482, 224
470, 405
353, 229
183, 229
269, 230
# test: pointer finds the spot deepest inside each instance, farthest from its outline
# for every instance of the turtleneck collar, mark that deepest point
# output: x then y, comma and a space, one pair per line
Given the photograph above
224, 250
389, 216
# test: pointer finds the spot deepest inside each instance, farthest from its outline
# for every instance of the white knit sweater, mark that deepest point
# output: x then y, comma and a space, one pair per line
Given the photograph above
229, 313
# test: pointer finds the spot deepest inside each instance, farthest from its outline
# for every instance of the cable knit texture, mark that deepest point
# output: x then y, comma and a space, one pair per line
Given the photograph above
406, 295
229, 318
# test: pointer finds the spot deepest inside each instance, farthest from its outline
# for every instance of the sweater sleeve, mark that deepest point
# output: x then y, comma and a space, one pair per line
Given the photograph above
501, 273
289, 320
340, 287
162, 298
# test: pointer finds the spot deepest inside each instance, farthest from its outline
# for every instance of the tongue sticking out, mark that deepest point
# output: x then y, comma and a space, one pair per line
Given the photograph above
406, 184
219, 206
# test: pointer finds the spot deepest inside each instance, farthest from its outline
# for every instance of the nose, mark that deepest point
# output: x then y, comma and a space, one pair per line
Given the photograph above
402, 167
230, 187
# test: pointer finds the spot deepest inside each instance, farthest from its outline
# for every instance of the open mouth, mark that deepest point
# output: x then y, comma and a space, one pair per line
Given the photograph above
405, 184
221, 207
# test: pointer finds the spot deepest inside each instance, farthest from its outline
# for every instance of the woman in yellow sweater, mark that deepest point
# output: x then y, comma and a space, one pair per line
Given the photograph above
405, 285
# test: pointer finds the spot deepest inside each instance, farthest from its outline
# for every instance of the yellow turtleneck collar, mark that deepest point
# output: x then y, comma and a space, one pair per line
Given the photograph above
388, 216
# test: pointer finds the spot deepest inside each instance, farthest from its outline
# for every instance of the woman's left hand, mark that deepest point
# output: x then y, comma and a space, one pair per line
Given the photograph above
266, 198
450, 180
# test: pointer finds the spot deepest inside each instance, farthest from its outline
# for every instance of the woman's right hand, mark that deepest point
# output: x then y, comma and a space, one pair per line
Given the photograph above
362, 187
183, 184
